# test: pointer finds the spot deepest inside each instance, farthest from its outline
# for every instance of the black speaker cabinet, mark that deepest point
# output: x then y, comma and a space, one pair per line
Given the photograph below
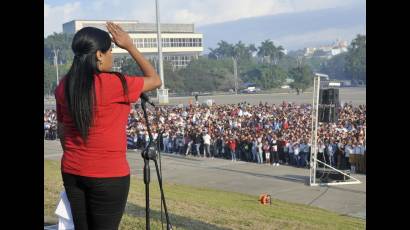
329, 96
328, 113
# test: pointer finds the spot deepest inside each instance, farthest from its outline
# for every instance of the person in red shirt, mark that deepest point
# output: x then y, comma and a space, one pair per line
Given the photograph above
93, 104
232, 148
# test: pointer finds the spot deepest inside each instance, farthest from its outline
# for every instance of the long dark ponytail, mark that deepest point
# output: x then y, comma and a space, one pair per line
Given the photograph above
79, 82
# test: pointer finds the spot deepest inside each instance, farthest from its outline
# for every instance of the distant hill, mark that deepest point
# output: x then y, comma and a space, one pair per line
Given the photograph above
291, 30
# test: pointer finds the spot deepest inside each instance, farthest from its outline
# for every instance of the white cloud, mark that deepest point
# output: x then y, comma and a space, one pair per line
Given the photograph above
55, 16
200, 12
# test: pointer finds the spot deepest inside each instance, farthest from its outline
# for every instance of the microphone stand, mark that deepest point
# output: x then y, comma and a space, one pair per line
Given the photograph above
150, 153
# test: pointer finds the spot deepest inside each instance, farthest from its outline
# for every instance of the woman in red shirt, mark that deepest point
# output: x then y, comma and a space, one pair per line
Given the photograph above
93, 104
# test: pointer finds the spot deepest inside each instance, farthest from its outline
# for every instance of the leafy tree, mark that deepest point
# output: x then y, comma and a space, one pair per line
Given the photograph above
206, 74
356, 58
265, 76
268, 51
278, 54
224, 50
62, 42
129, 66
50, 77
335, 67
173, 80
302, 76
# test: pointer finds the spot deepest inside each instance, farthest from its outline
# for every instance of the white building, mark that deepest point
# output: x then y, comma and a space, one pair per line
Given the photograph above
327, 51
180, 43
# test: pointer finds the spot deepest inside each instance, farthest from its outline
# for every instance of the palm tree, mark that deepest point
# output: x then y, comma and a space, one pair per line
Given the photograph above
214, 54
251, 49
278, 54
240, 51
266, 50
225, 49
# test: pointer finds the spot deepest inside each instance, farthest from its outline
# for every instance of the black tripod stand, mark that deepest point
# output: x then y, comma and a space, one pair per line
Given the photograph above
150, 153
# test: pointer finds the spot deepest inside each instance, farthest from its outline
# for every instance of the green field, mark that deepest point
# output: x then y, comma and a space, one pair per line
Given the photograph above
202, 208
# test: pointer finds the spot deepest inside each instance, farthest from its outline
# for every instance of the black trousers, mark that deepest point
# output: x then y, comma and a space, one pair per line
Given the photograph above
96, 203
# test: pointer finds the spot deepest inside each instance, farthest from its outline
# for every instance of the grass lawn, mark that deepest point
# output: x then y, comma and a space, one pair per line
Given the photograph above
202, 208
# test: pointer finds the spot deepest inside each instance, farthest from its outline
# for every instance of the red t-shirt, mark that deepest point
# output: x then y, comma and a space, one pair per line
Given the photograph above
104, 154
232, 145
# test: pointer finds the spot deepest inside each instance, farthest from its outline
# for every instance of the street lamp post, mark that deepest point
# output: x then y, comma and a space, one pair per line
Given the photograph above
163, 92
235, 74
56, 62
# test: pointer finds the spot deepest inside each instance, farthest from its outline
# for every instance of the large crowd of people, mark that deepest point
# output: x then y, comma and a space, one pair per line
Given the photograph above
50, 124
271, 134
264, 134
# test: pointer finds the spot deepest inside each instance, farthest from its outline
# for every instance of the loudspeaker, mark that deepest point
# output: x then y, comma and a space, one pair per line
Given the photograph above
328, 105
329, 96
333, 96
328, 176
328, 113
322, 93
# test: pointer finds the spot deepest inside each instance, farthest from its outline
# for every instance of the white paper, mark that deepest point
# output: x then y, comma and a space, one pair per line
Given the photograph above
63, 211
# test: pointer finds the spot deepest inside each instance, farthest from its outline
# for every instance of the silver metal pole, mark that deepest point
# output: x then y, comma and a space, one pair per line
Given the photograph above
235, 73
56, 63
159, 42
316, 124
315, 109
312, 132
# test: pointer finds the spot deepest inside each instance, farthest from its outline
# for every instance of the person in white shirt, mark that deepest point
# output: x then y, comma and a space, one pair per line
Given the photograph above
321, 153
291, 153
296, 150
274, 152
260, 150
330, 152
207, 143
348, 151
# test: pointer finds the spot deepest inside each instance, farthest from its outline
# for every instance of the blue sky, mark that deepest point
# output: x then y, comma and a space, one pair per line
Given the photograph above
199, 12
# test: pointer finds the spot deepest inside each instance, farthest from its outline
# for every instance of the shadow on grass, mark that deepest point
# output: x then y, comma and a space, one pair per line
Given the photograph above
177, 221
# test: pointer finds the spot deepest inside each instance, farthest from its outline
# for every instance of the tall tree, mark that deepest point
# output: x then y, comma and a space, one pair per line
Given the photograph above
225, 49
278, 54
356, 58
266, 51
241, 52
265, 76
336, 67
302, 76
252, 49
271, 53
62, 42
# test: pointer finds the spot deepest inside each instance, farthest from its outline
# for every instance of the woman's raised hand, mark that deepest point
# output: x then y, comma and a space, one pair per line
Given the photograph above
121, 38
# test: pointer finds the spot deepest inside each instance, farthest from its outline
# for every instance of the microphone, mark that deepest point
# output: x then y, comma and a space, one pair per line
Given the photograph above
145, 98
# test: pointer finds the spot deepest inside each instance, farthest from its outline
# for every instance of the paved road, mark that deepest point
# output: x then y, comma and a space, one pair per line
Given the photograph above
282, 182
